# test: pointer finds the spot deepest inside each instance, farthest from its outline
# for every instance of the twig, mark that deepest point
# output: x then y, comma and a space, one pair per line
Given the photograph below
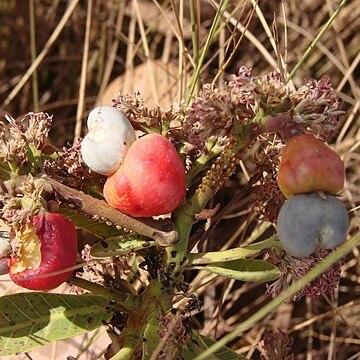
95, 207
43, 53
35, 87
113, 51
310, 49
84, 67
209, 39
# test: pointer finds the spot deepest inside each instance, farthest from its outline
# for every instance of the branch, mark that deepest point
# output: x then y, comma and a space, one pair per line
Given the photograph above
99, 208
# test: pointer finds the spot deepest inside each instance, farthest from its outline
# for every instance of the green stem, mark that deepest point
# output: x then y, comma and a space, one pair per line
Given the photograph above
34, 157
128, 350
185, 216
211, 152
205, 49
316, 40
14, 169
195, 39
313, 273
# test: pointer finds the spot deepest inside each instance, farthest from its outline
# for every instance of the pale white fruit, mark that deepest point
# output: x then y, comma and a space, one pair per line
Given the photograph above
110, 136
5, 247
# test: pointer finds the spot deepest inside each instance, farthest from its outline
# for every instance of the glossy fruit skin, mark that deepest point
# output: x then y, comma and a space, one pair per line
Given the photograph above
309, 221
151, 180
58, 238
308, 165
109, 138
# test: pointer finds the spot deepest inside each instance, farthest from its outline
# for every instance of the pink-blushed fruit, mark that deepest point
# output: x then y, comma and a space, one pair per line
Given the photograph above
46, 246
308, 165
151, 180
109, 138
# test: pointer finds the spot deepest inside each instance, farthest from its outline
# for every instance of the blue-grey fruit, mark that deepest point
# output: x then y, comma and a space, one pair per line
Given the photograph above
309, 221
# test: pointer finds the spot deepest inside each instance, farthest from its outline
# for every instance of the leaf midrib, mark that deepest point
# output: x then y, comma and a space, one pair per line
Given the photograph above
53, 317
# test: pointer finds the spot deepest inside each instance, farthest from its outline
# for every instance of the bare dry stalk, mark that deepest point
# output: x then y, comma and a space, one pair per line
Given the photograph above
54, 36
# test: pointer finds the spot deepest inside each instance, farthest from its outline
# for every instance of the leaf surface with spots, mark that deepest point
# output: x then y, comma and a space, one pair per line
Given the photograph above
30, 320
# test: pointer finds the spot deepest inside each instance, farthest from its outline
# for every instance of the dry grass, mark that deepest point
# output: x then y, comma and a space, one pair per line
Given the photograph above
77, 48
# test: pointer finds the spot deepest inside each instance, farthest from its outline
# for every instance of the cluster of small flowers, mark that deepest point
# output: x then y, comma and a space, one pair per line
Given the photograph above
316, 106
163, 120
276, 345
266, 195
174, 335
15, 137
213, 114
293, 269
19, 203
70, 169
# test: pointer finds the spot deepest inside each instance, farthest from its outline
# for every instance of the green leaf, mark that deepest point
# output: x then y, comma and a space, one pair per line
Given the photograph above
119, 245
232, 254
224, 353
243, 269
90, 225
151, 334
197, 344
336, 255
30, 320
271, 242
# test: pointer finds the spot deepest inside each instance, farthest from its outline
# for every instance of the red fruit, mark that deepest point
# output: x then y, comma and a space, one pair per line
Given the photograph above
308, 165
151, 180
47, 245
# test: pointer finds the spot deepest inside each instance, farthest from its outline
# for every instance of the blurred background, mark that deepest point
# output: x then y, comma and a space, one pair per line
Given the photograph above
65, 57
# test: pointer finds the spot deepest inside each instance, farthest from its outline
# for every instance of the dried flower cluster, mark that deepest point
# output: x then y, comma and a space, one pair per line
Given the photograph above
69, 168
147, 119
293, 269
212, 116
17, 136
173, 335
266, 195
276, 345
316, 108
21, 201
37, 126
215, 114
